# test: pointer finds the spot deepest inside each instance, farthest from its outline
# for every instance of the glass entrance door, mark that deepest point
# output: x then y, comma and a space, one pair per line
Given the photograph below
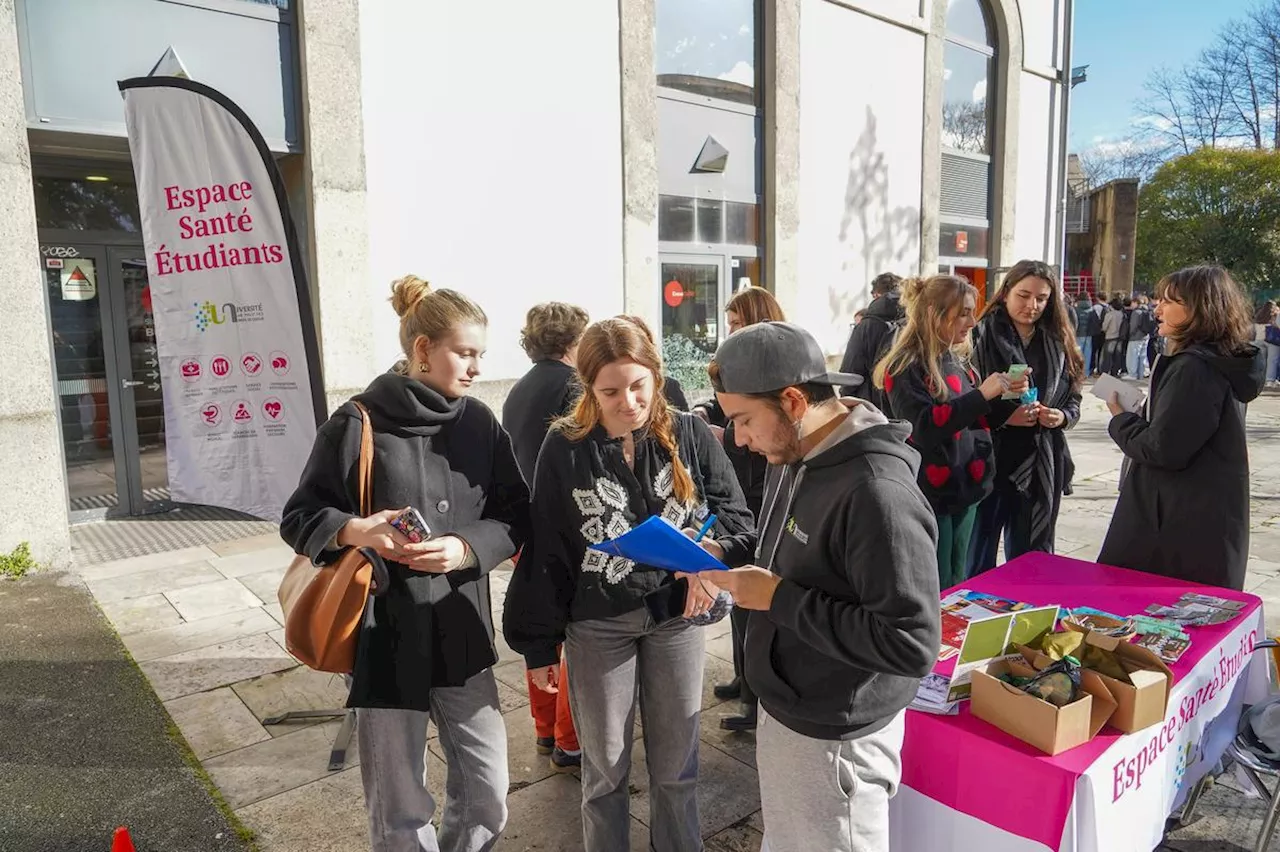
108, 379
692, 307
141, 394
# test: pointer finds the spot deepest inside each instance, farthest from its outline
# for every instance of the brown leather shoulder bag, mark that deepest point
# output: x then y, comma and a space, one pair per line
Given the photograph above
324, 606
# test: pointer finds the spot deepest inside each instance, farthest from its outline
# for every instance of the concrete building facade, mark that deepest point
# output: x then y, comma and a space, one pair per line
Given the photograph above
1102, 235
647, 156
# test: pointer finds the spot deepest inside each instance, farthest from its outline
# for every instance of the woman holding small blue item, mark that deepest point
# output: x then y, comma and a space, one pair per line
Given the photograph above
622, 457
1027, 324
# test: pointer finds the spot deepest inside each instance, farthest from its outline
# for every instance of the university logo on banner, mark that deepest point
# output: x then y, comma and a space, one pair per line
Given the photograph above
237, 347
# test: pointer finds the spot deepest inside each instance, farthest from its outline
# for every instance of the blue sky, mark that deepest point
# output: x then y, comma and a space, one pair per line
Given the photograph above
1122, 41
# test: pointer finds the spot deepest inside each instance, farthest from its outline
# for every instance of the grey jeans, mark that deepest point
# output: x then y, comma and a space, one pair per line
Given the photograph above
611, 661
829, 795
393, 745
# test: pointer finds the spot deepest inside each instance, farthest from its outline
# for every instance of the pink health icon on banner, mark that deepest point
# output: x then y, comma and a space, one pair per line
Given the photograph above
211, 414
191, 370
251, 364
279, 363
273, 409
241, 413
220, 366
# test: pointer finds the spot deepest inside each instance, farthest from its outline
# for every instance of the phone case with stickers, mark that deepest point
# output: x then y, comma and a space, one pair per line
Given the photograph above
411, 525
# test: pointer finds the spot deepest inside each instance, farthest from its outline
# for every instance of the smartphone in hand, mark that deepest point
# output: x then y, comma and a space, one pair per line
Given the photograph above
1015, 372
411, 525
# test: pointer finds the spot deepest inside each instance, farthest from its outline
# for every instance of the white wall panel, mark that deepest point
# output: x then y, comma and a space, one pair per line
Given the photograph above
494, 158
861, 134
1037, 139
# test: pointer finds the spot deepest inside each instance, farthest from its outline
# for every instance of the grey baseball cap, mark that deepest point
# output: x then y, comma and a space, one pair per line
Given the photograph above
771, 356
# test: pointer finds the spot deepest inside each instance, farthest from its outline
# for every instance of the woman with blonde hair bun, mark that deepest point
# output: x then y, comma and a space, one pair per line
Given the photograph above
426, 650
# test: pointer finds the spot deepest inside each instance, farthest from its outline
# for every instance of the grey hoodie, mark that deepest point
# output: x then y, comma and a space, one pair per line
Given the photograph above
854, 624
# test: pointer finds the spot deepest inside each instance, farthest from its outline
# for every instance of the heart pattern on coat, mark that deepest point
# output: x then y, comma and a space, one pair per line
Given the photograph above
953, 382
977, 470
937, 475
941, 414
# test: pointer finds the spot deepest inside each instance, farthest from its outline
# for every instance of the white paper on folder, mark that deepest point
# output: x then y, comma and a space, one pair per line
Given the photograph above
1130, 395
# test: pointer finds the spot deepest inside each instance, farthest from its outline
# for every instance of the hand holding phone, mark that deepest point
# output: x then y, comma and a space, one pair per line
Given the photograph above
411, 525
1015, 374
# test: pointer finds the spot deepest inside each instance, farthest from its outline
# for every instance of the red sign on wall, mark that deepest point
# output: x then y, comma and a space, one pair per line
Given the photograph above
673, 293
962, 242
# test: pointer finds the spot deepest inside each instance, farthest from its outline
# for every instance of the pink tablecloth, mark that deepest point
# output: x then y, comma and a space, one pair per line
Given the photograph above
975, 768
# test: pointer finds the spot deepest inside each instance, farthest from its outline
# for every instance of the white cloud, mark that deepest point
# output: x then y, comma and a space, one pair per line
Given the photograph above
1154, 122
741, 73
745, 29
946, 73
980, 91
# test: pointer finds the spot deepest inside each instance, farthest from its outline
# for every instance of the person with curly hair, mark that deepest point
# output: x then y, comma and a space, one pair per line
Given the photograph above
543, 395
548, 391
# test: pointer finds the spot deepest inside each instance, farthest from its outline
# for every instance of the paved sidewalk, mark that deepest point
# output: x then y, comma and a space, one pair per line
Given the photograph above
84, 744
204, 627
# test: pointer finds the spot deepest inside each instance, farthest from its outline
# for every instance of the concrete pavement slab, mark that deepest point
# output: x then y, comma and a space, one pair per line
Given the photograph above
138, 615
211, 600
728, 791
215, 722
324, 816
276, 765
739, 838
275, 556
264, 584
193, 635
296, 689
216, 665
136, 564
148, 582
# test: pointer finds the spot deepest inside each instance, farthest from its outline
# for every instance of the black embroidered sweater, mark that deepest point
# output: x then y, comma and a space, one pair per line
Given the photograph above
952, 435
584, 493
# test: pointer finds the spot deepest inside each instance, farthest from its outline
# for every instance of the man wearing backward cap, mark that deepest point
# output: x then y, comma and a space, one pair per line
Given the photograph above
845, 616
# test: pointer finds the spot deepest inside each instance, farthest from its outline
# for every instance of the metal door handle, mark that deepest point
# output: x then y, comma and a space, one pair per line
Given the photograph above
129, 383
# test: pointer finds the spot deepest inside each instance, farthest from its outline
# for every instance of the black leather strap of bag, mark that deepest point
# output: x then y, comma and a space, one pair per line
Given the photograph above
689, 451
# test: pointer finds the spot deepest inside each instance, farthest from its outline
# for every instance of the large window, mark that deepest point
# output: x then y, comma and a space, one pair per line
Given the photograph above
969, 65
707, 47
97, 203
705, 58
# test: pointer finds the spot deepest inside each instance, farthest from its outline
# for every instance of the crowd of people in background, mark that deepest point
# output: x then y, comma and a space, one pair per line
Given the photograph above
1117, 337
832, 497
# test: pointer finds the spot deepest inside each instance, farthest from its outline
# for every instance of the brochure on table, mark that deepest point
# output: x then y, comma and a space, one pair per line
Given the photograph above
988, 635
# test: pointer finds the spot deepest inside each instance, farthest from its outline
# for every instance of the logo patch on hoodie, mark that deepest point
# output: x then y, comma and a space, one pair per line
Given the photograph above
795, 531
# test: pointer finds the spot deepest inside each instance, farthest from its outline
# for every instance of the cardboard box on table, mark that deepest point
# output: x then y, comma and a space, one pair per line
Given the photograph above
1143, 702
1051, 729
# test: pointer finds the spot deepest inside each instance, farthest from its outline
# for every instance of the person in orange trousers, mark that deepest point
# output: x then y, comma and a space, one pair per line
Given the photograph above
553, 722
545, 393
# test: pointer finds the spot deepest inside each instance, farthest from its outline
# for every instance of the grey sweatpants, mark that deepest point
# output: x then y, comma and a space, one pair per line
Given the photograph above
610, 660
827, 795
393, 745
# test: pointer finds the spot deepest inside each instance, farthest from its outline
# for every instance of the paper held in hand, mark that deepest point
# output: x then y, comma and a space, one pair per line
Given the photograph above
1130, 395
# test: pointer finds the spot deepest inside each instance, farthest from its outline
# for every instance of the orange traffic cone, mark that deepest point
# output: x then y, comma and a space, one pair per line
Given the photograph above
122, 842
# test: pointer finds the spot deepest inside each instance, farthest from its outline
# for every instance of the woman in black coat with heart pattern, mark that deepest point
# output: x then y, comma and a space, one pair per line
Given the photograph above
928, 383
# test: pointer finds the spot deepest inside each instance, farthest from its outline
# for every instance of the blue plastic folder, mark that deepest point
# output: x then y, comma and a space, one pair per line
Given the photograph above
658, 543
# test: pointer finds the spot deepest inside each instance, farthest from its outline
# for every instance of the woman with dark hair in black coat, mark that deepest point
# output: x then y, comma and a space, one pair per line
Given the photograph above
1027, 323
1183, 510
